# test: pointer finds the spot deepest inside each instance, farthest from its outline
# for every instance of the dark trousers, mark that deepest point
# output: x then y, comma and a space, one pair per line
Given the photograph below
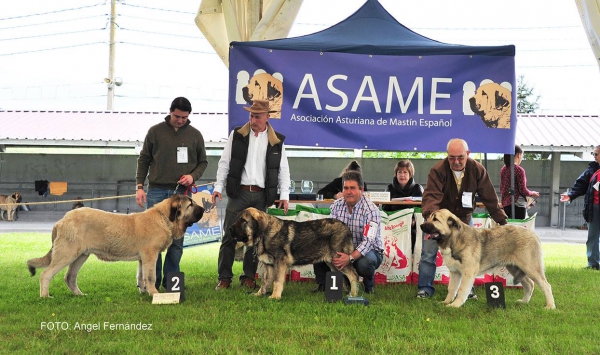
520, 212
236, 205
175, 250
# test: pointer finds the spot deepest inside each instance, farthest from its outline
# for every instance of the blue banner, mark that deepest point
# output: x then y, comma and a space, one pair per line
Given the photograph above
398, 103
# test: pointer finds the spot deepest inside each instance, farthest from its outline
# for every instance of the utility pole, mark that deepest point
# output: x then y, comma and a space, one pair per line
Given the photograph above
111, 56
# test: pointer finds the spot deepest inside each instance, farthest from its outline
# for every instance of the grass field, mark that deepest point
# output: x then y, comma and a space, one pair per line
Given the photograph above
233, 322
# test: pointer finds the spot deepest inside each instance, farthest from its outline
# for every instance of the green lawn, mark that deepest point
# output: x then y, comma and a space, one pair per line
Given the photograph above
233, 322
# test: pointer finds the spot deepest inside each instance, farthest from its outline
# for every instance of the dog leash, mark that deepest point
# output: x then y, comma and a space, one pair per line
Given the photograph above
190, 189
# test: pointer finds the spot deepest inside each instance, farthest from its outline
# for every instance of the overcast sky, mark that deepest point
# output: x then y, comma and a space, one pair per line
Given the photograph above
54, 54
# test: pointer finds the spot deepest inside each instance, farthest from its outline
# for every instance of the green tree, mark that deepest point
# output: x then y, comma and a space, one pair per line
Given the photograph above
527, 102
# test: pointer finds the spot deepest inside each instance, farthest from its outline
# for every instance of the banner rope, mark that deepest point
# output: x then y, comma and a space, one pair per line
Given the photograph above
88, 199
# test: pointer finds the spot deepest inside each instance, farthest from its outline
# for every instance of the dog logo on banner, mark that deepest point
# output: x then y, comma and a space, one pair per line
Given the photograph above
491, 102
261, 86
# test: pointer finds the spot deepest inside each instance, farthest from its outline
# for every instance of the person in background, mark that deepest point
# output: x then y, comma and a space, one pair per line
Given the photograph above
452, 184
584, 185
403, 185
173, 157
251, 167
521, 191
357, 212
334, 189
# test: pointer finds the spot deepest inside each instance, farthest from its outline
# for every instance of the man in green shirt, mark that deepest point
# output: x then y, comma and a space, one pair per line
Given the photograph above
173, 156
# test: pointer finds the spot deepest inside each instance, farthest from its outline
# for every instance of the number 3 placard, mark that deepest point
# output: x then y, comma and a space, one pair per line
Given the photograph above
494, 292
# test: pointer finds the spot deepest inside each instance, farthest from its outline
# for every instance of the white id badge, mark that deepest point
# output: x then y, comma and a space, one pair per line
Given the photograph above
467, 199
370, 230
182, 155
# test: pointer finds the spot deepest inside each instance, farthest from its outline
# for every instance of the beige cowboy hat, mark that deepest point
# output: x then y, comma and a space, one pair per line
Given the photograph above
259, 106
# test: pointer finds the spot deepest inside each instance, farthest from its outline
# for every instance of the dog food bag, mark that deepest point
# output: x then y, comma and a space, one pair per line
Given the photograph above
397, 256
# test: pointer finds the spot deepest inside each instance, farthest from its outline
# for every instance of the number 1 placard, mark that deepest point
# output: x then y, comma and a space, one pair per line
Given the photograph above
334, 286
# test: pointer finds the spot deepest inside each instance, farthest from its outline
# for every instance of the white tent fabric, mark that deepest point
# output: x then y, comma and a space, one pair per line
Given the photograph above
225, 21
589, 11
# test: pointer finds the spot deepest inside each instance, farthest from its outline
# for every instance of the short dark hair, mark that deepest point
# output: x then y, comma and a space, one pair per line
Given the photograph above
353, 175
507, 156
182, 104
352, 166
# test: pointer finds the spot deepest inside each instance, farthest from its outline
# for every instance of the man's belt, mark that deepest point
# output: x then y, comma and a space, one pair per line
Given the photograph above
251, 188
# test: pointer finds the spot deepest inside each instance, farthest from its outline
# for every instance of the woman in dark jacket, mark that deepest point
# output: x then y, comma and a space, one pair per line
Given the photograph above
403, 185
334, 189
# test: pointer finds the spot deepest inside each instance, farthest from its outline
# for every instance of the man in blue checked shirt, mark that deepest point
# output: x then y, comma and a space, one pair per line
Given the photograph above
363, 218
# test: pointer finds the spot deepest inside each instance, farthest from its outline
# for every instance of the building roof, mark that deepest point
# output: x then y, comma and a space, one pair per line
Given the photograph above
97, 128
558, 133
535, 133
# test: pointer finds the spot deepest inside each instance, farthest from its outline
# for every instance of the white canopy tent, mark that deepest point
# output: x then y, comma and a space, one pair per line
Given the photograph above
589, 11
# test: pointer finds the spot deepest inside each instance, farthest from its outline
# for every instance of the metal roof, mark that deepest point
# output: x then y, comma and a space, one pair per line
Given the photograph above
535, 133
558, 133
97, 128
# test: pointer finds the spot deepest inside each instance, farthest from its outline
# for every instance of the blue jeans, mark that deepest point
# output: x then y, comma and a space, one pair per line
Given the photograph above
365, 267
427, 265
593, 241
175, 250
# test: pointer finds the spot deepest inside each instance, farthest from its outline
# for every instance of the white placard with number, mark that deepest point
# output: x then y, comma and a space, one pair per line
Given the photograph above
165, 298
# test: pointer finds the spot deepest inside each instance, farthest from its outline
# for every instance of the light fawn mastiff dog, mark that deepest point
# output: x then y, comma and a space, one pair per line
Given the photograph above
469, 251
9, 203
281, 244
114, 237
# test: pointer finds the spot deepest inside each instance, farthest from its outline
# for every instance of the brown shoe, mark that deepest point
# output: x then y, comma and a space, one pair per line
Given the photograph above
222, 284
248, 282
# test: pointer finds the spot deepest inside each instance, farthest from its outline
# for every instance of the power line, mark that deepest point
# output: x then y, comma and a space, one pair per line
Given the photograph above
50, 22
158, 9
174, 49
50, 12
157, 20
51, 49
49, 34
161, 33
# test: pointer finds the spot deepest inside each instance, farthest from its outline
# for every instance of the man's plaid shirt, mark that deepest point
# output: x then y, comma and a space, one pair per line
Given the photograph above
363, 212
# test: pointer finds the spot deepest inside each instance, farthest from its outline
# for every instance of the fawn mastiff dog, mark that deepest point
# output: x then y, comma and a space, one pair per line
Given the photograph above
280, 244
469, 251
9, 203
113, 237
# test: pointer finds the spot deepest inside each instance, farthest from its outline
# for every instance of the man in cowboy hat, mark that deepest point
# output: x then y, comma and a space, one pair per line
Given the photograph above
251, 167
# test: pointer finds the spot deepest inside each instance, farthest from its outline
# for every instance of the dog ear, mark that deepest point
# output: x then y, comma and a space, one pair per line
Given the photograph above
453, 223
500, 100
175, 207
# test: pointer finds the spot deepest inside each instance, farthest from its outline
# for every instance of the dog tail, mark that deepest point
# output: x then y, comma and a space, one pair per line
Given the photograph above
38, 263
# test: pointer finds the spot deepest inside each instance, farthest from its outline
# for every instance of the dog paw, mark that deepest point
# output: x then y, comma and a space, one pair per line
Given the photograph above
550, 306
454, 304
273, 297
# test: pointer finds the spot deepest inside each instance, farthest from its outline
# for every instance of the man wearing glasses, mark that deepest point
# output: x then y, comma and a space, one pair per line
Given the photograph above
452, 184
586, 184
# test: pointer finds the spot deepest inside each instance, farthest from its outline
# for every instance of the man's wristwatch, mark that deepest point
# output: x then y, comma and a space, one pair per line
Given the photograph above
140, 187
351, 259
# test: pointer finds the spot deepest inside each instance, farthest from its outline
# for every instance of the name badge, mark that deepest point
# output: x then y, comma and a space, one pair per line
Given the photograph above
370, 230
467, 199
182, 155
